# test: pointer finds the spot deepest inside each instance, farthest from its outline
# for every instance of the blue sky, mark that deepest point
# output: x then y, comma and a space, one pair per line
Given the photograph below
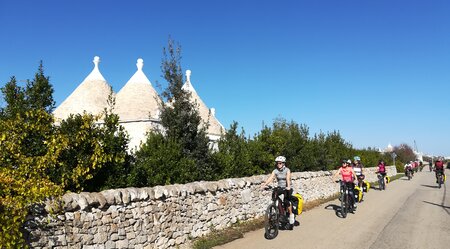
376, 71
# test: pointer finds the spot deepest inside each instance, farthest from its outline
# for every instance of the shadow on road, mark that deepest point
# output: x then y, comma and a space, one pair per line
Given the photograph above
439, 205
430, 186
336, 208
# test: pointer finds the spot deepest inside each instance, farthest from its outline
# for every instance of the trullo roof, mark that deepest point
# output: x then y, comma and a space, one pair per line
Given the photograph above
137, 100
90, 96
208, 115
137, 106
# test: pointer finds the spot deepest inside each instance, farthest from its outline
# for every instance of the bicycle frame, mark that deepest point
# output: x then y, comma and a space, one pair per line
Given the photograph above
408, 172
279, 203
276, 214
440, 178
381, 181
346, 199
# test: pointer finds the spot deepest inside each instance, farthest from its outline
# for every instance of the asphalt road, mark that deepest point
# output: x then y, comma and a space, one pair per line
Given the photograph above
408, 214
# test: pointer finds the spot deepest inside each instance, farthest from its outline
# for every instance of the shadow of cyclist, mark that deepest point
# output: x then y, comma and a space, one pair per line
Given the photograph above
430, 186
336, 208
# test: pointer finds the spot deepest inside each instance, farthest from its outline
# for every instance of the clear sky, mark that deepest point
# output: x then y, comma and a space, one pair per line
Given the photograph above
376, 71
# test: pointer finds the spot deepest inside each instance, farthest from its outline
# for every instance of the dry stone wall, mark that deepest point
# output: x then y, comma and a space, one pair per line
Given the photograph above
164, 216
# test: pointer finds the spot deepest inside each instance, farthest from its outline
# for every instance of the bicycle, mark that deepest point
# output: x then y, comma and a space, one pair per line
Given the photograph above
440, 178
381, 182
347, 204
277, 215
408, 172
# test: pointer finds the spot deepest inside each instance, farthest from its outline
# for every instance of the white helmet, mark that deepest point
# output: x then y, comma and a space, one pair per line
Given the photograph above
280, 159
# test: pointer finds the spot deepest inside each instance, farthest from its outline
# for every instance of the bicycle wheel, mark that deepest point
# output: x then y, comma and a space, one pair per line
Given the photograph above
271, 222
344, 204
440, 181
380, 183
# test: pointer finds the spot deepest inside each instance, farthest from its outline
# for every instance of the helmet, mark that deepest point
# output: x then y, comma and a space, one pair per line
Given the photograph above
349, 161
357, 158
280, 159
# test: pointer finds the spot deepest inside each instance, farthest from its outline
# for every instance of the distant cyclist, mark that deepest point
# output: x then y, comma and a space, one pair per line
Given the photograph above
407, 168
412, 167
348, 176
382, 170
283, 176
439, 168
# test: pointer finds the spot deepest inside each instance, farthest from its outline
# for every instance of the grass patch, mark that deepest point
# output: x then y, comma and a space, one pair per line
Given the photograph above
220, 237
397, 176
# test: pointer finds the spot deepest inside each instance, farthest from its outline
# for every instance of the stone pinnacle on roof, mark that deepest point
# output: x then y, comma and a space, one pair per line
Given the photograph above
140, 64
137, 100
188, 86
95, 74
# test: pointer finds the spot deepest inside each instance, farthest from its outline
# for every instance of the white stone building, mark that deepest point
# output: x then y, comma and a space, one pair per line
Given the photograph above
137, 104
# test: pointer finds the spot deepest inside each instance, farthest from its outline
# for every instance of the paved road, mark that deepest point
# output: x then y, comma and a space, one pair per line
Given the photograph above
409, 214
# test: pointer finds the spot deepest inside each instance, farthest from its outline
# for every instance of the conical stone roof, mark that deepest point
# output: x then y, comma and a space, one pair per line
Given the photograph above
208, 115
137, 107
90, 96
137, 100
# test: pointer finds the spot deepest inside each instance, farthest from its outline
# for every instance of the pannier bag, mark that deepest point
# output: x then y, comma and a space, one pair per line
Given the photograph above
297, 203
358, 194
388, 179
366, 186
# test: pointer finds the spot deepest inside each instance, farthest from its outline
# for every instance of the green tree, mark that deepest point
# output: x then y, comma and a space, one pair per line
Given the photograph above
181, 147
37, 95
315, 154
233, 157
404, 153
161, 161
283, 138
28, 177
23, 175
98, 146
39, 92
14, 97
114, 139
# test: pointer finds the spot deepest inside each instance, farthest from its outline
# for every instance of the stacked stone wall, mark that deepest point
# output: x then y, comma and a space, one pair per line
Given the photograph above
165, 216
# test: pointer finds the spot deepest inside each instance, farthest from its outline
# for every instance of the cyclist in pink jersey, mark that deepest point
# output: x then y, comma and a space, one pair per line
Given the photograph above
348, 177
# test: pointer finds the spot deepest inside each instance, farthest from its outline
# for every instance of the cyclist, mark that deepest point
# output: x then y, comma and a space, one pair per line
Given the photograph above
382, 170
439, 168
348, 177
283, 176
358, 168
412, 167
408, 167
